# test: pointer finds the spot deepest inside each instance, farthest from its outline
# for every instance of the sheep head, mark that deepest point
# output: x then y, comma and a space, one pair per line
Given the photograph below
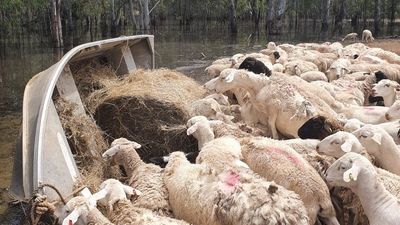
338, 144
117, 146
163, 160
385, 88
370, 137
79, 207
348, 169
112, 190
319, 127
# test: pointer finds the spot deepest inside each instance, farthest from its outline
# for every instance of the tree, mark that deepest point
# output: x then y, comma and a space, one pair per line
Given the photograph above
232, 16
325, 15
56, 29
377, 16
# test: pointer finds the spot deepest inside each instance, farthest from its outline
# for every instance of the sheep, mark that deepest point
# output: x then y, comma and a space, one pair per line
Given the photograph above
380, 145
215, 69
84, 208
298, 67
313, 76
268, 157
220, 153
337, 144
265, 94
220, 98
386, 89
122, 212
209, 108
338, 69
255, 66
373, 114
200, 196
367, 36
277, 67
319, 127
357, 173
144, 177
351, 36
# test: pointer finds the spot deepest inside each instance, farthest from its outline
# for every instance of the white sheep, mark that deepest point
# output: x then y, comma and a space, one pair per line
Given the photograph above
339, 143
122, 212
392, 127
352, 36
85, 208
381, 145
373, 114
220, 153
147, 178
276, 161
314, 76
338, 69
200, 196
357, 173
367, 36
265, 94
387, 90
209, 108
297, 67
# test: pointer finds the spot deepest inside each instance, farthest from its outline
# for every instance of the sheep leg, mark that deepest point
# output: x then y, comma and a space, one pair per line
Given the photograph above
272, 123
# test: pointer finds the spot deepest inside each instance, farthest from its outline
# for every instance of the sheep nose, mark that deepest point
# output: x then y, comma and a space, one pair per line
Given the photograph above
387, 116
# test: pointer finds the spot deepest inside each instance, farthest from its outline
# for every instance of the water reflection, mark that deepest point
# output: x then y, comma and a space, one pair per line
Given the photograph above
187, 48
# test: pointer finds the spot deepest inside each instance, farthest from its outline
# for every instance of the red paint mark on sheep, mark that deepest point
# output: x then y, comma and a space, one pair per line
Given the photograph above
369, 108
232, 178
295, 160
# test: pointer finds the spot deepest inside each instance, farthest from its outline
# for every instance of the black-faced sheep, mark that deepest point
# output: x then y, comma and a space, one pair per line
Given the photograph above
255, 66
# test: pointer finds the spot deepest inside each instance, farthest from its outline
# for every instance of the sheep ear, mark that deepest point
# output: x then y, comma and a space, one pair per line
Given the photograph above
351, 174
230, 77
111, 151
347, 145
377, 138
73, 217
131, 191
159, 160
192, 129
136, 145
128, 189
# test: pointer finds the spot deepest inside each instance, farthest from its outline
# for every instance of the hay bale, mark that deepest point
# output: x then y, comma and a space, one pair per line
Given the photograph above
149, 107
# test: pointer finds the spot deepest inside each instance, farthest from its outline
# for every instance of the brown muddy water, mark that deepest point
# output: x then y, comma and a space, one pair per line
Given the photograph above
187, 50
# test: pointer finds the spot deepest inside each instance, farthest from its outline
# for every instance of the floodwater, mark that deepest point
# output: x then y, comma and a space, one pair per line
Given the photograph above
187, 49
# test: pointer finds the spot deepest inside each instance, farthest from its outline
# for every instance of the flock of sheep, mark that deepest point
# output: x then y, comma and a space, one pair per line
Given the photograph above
283, 127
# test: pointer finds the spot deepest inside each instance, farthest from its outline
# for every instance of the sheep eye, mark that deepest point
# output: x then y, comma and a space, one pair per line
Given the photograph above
364, 136
387, 85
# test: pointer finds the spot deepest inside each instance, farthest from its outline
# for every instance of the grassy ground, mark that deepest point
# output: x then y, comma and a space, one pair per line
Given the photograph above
9, 129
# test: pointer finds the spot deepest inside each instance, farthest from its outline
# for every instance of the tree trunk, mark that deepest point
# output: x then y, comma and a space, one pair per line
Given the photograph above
280, 15
392, 16
270, 16
255, 12
56, 28
232, 15
132, 13
377, 16
339, 17
325, 15
146, 15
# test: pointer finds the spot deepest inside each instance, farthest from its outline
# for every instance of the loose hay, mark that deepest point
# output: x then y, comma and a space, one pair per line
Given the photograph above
149, 107
87, 143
